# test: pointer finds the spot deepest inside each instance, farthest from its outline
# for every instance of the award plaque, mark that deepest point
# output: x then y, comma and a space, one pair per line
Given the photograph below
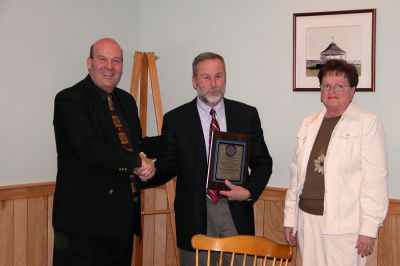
228, 159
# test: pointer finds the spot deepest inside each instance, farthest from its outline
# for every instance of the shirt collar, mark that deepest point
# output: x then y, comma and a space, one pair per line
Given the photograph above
205, 109
104, 94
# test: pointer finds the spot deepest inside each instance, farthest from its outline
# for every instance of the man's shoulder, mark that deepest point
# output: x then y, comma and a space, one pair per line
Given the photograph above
182, 110
237, 103
122, 93
238, 106
75, 90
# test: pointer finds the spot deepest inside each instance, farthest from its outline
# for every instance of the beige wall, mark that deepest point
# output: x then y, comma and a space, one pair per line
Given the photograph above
255, 37
44, 45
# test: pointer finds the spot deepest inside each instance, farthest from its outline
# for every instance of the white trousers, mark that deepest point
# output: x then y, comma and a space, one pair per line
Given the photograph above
319, 249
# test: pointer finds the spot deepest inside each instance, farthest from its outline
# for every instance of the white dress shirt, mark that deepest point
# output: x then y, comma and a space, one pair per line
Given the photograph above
205, 118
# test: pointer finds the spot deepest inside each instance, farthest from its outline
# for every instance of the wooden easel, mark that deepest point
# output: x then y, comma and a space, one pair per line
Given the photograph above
143, 65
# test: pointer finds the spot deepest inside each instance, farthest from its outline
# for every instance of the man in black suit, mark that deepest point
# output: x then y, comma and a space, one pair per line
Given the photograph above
184, 151
99, 150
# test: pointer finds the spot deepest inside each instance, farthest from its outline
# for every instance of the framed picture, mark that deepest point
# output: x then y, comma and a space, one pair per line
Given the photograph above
319, 36
228, 159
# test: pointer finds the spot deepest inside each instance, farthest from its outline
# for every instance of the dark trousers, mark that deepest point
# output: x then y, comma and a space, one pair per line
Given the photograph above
71, 249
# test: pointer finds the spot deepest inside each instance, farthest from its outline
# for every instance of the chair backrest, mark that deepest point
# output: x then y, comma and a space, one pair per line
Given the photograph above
259, 247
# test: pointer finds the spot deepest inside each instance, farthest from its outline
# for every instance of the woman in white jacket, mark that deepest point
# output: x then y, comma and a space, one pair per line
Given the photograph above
338, 193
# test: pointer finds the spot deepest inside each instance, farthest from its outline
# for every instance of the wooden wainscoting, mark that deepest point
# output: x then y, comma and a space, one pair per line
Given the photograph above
26, 234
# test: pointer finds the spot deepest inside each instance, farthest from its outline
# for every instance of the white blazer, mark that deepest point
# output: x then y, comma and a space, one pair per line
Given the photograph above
356, 179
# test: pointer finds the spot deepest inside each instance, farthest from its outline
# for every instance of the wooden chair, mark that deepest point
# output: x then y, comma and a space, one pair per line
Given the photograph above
259, 247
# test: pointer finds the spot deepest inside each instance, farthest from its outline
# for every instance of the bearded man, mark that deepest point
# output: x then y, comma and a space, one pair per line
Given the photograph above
184, 153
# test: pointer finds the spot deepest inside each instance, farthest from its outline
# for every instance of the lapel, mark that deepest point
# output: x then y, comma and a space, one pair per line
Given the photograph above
193, 123
126, 109
311, 132
230, 117
101, 113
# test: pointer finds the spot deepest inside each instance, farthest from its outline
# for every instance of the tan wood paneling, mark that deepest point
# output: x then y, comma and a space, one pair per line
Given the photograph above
27, 191
258, 217
389, 242
20, 232
50, 232
394, 207
6, 232
37, 231
26, 234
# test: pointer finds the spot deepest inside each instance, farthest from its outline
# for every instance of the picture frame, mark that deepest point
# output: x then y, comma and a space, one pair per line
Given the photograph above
346, 34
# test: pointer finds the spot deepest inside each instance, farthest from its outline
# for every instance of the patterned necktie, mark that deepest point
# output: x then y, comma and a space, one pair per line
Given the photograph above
127, 145
212, 194
123, 137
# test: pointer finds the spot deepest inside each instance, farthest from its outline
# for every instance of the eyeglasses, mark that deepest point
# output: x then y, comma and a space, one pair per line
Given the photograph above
336, 87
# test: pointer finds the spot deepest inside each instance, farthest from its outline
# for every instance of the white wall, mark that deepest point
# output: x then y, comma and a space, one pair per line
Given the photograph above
44, 46
255, 37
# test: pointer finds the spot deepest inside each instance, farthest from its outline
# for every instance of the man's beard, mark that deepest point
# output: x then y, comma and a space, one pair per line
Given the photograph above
211, 100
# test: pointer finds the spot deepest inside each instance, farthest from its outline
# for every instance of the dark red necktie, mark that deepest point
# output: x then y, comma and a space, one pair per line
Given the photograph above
214, 126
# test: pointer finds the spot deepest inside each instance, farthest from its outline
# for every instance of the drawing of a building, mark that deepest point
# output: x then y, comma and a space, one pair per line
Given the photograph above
333, 52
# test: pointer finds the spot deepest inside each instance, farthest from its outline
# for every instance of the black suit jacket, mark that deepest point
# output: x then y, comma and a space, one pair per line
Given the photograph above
93, 193
183, 153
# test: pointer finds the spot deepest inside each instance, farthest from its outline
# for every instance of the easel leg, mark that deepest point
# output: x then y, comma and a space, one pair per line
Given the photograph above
144, 63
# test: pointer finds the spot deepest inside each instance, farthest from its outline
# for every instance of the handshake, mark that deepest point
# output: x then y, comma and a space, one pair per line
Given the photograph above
147, 169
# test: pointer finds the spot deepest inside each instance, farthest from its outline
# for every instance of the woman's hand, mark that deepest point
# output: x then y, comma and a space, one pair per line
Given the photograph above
289, 236
365, 245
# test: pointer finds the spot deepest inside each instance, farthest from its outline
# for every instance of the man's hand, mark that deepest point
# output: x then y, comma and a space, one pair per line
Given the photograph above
289, 236
147, 170
365, 245
236, 192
